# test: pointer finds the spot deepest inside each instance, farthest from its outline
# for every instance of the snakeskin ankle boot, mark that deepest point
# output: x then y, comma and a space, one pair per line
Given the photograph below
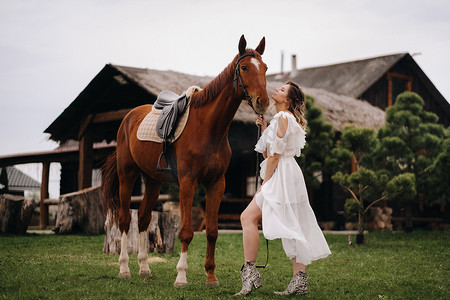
250, 278
298, 285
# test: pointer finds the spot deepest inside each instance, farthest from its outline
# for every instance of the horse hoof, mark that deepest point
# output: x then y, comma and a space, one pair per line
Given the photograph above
212, 283
179, 284
145, 273
124, 275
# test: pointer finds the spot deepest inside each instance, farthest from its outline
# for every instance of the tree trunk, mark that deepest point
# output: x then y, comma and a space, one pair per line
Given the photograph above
162, 232
360, 235
80, 211
15, 213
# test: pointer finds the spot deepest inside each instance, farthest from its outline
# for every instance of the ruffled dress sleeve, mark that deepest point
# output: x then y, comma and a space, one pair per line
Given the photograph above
269, 141
290, 144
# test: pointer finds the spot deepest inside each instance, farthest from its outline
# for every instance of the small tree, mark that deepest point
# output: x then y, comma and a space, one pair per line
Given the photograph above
367, 187
364, 185
409, 143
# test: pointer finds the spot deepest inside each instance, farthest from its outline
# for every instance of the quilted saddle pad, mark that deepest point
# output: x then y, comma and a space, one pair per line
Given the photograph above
147, 129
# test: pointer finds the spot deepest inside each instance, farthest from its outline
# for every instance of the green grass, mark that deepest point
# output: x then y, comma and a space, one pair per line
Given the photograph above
388, 266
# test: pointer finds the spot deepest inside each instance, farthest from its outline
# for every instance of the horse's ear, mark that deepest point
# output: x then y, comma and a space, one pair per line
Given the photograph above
261, 46
242, 45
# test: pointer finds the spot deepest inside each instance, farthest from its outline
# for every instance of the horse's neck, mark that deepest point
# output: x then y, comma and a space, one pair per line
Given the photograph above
220, 109
224, 109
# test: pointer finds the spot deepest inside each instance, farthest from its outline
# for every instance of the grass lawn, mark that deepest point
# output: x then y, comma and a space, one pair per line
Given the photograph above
389, 266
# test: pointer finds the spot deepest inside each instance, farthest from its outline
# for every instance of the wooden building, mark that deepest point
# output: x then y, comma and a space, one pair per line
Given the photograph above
93, 118
86, 129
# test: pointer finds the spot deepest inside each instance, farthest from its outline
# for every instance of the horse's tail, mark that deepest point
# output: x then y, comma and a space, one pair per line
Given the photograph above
110, 187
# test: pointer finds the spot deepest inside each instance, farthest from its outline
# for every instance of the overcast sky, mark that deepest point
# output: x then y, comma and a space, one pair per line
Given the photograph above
50, 50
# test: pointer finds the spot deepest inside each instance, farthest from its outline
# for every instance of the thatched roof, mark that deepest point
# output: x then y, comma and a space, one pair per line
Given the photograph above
155, 81
341, 110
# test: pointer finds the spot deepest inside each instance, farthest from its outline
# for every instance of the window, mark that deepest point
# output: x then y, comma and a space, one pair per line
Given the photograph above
397, 84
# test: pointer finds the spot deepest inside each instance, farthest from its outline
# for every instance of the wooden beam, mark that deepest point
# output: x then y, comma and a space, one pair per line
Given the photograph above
116, 115
401, 76
85, 162
43, 209
389, 104
60, 155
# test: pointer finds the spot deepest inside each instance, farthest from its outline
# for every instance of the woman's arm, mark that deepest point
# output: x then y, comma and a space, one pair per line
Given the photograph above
261, 121
272, 161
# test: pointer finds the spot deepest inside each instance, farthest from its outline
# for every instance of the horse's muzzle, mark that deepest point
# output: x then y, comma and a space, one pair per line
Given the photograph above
259, 105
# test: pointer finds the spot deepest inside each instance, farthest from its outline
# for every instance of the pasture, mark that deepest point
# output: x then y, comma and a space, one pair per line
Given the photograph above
389, 266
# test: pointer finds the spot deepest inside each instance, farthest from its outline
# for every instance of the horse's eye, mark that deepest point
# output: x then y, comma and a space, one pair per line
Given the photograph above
244, 68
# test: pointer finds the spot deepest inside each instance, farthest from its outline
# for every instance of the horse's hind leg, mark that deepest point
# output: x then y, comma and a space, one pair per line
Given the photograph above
127, 172
214, 194
152, 189
187, 191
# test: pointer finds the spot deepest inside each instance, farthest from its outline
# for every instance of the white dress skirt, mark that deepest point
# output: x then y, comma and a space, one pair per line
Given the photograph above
283, 199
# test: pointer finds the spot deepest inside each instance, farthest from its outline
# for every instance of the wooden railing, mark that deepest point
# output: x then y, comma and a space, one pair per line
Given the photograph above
163, 197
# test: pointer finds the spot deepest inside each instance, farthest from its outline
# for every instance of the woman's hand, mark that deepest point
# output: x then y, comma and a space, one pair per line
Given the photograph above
261, 121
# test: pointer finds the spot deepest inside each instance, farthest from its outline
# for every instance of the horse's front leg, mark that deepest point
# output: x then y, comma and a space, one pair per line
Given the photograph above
214, 194
187, 191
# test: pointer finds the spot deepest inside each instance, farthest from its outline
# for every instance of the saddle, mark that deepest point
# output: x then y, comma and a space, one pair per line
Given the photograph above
172, 106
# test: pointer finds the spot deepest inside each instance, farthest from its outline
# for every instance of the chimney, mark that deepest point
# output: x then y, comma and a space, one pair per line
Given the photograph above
282, 61
294, 66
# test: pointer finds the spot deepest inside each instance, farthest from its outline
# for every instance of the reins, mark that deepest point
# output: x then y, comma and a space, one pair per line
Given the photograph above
237, 76
256, 189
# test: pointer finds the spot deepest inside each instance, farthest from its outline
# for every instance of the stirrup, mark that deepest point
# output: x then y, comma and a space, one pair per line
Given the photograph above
169, 168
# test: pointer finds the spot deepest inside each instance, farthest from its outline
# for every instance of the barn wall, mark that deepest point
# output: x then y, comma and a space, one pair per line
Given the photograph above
377, 94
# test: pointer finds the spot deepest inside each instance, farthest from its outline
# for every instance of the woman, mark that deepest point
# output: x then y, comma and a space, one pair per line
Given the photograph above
282, 202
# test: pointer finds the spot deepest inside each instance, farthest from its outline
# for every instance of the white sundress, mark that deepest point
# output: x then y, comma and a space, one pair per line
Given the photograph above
283, 199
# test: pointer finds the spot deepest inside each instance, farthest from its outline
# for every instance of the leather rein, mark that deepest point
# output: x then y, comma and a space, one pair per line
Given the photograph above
237, 76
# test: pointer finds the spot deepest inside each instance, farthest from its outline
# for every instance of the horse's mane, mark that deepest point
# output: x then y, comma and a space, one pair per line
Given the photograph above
214, 87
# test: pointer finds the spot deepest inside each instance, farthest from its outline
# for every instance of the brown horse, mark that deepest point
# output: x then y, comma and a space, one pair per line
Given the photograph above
202, 153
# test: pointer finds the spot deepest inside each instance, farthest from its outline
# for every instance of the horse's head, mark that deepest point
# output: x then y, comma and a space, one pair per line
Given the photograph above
250, 75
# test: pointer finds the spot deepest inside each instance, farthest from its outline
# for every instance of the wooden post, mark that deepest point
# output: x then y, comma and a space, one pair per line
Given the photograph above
85, 162
43, 209
389, 78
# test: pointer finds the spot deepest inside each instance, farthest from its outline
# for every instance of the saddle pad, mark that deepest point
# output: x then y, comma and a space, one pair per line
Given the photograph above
147, 129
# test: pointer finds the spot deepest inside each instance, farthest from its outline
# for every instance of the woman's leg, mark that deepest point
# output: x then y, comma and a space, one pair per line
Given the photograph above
296, 267
250, 235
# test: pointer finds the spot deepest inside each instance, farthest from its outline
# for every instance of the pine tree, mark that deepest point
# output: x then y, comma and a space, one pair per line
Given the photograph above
410, 141
366, 186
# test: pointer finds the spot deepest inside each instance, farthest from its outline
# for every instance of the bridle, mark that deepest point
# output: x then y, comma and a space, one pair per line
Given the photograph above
237, 76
